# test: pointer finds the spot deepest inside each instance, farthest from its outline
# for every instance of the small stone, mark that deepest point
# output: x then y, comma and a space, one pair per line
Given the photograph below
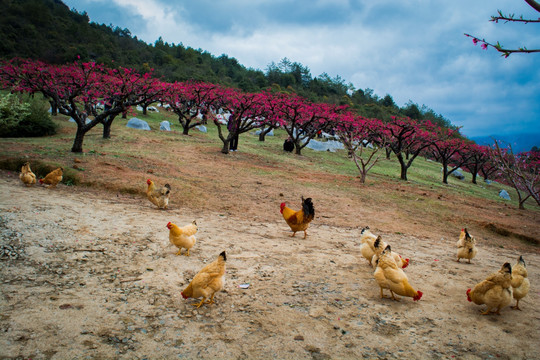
299, 338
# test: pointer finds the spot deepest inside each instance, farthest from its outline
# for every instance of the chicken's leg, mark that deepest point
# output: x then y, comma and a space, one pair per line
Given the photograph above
487, 312
305, 234
516, 307
179, 252
211, 301
187, 253
200, 304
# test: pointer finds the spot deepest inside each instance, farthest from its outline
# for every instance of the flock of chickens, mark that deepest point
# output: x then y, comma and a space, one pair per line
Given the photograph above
496, 291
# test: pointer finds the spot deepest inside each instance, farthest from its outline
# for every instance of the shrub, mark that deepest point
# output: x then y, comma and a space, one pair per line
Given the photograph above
12, 112
28, 118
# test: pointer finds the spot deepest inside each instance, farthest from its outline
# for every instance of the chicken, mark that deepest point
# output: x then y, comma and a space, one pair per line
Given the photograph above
520, 282
390, 276
299, 220
495, 291
466, 246
183, 237
27, 176
158, 196
207, 282
53, 178
367, 248
379, 245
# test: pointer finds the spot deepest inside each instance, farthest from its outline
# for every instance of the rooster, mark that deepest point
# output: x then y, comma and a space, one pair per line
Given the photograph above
27, 176
207, 282
53, 178
466, 246
390, 276
520, 282
158, 196
495, 291
299, 220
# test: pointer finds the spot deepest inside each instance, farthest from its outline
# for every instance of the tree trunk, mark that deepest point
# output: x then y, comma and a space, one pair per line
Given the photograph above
297, 149
124, 115
445, 175
474, 175
107, 129
403, 165
144, 109
262, 136
225, 148
184, 122
54, 108
388, 153
78, 142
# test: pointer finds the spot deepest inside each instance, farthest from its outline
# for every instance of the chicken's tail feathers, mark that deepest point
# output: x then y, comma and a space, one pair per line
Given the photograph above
166, 190
377, 242
223, 255
307, 207
468, 295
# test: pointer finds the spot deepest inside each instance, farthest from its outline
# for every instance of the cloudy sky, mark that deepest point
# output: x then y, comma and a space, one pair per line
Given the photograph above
413, 50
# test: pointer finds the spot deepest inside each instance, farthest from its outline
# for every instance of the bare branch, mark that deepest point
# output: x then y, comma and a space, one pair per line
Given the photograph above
511, 18
535, 5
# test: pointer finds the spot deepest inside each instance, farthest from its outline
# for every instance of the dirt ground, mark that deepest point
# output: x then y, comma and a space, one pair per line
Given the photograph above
89, 274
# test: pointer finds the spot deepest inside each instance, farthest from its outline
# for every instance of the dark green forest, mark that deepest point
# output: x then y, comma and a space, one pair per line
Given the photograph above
49, 30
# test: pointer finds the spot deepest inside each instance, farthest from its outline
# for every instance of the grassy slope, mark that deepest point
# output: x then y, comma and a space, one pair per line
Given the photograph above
253, 181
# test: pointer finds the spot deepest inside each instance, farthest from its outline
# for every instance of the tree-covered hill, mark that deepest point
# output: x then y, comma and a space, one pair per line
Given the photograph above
48, 30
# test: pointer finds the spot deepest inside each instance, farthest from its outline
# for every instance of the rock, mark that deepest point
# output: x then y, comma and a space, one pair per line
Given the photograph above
165, 126
504, 194
299, 338
139, 124
270, 133
201, 128
458, 175
73, 120
330, 145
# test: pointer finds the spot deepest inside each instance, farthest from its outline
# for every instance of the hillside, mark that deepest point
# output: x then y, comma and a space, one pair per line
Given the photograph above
256, 179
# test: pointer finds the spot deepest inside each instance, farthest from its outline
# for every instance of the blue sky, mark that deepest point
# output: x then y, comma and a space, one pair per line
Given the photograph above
413, 50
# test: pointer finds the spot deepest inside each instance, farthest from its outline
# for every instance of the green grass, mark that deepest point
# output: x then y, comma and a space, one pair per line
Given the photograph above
269, 154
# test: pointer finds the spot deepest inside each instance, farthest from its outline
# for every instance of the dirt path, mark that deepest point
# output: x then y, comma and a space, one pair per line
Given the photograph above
95, 276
